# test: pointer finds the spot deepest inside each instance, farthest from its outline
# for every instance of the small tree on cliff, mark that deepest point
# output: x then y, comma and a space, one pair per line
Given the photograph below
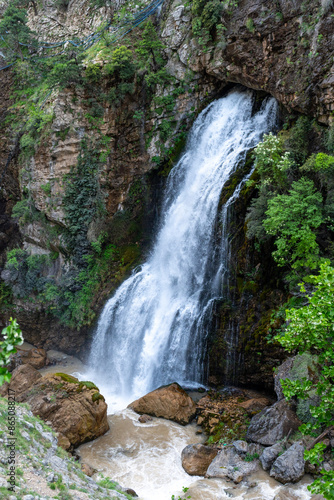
16, 38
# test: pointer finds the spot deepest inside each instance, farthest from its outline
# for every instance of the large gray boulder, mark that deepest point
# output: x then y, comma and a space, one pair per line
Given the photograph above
302, 366
290, 466
229, 464
272, 424
269, 455
294, 368
281, 373
196, 458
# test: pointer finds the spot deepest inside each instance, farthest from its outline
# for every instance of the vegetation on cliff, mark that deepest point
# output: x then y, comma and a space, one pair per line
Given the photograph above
134, 63
294, 207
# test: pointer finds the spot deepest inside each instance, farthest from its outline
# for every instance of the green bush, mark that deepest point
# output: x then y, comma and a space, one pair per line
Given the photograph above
121, 64
310, 329
292, 218
272, 162
93, 73
12, 336
66, 71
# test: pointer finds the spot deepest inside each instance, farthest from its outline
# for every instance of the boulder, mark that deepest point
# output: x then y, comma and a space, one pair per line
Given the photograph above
143, 419
23, 377
76, 410
229, 464
255, 405
302, 366
270, 454
295, 368
131, 492
34, 357
290, 466
272, 424
170, 402
196, 458
87, 469
241, 447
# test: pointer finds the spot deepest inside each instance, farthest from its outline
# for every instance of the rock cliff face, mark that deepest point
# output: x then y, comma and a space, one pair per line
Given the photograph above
280, 47
283, 48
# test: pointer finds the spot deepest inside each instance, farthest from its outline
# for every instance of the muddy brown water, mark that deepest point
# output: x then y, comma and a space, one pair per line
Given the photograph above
147, 457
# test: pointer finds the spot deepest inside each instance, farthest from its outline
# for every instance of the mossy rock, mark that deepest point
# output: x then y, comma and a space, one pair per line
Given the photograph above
304, 366
129, 254
237, 176
304, 405
96, 397
88, 385
67, 378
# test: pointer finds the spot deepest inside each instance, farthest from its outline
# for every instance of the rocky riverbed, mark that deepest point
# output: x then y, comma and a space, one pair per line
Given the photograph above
214, 443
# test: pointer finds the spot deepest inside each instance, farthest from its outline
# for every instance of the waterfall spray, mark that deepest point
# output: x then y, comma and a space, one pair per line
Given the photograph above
153, 330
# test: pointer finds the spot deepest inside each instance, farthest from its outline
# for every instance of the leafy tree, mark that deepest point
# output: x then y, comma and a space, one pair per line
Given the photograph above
150, 56
292, 218
17, 36
299, 139
66, 71
121, 64
149, 48
272, 162
12, 337
311, 329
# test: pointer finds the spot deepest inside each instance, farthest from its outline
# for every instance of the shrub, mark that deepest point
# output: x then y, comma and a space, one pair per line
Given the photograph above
12, 336
272, 162
121, 64
310, 329
292, 218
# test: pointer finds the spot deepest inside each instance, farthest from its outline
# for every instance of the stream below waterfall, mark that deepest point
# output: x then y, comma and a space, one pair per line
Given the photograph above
147, 458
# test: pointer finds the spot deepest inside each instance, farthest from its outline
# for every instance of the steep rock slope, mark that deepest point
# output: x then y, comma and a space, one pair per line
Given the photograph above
283, 48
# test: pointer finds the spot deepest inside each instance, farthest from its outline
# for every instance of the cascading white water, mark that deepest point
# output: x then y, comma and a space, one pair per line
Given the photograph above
152, 331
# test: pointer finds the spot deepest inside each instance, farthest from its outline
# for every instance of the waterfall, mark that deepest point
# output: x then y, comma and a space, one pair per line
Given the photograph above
153, 330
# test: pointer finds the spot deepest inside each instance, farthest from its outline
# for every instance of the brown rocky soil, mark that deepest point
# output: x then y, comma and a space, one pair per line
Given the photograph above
223, 415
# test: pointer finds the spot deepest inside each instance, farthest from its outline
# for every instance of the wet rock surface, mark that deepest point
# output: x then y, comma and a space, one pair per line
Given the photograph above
228, 463
270, 454
196, 458
170, 402
272, 424
143, 419
35, 357
290, 466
